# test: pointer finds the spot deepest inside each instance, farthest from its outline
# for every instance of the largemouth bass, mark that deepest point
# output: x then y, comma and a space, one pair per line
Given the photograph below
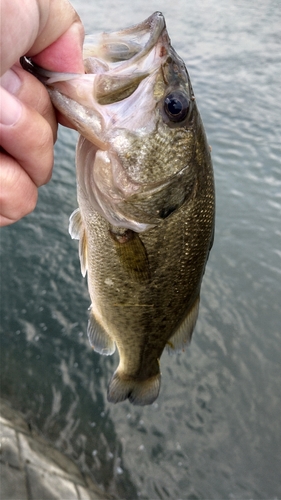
145, 221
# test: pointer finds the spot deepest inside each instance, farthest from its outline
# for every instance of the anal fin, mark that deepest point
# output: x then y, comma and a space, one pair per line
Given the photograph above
182, 336
99, 339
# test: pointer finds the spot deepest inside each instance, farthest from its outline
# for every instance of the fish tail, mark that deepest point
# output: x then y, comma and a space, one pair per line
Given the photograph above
138, 392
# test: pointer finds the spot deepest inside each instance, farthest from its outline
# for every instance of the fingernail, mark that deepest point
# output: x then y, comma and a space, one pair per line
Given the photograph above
11, 108
10, 81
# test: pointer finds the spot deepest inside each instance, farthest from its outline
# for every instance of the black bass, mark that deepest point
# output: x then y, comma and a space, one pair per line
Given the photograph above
145, 221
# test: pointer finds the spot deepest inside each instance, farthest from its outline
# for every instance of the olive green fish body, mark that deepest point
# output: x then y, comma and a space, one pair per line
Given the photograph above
142, 305
145, 221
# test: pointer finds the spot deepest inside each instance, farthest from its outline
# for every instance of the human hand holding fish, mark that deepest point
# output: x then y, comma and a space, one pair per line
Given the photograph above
52, 34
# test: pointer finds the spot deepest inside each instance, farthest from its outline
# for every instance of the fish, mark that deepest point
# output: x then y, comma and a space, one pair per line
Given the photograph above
146, 198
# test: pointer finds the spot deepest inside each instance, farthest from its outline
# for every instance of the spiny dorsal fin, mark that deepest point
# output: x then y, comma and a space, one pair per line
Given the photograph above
182, 336
99, 339
75, 224
77, 232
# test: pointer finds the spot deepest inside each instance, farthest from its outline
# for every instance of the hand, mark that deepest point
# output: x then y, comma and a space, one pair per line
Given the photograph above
51, 33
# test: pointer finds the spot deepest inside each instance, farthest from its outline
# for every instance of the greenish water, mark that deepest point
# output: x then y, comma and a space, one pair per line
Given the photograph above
215, 430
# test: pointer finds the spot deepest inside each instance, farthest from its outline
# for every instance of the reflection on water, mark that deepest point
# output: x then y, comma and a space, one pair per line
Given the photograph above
214, 431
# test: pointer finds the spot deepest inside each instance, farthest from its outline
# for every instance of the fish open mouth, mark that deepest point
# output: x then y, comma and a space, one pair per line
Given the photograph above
124, 71
115, 65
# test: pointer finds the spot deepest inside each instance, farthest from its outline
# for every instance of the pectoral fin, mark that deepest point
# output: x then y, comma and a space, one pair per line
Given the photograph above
182, 336
77, 232
132, 253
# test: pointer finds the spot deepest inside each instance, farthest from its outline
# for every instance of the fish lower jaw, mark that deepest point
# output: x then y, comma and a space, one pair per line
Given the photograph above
139, 392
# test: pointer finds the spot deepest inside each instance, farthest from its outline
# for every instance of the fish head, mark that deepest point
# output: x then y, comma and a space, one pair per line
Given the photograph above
135, 110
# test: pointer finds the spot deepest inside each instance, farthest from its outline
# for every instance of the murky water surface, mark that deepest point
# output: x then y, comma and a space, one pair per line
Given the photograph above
214, 432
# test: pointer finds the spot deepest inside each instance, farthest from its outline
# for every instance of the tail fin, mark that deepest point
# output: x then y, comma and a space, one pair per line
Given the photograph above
139, 392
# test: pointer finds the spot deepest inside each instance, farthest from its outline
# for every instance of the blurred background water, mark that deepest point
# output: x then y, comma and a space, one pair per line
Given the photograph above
215, 431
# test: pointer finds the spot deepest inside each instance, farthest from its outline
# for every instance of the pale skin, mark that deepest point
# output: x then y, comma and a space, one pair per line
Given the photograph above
50, 32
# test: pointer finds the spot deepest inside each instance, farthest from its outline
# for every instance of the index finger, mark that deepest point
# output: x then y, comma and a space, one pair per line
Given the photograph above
32, 26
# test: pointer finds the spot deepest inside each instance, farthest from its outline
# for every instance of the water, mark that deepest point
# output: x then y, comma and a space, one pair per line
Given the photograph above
214, 432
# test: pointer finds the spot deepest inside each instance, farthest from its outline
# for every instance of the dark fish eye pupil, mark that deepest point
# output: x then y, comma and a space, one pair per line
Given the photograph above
176, 106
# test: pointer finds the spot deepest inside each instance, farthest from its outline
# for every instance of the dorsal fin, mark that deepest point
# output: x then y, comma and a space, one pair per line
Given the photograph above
77, 232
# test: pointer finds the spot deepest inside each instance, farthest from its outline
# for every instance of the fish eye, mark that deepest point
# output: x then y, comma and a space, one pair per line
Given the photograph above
176, 106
